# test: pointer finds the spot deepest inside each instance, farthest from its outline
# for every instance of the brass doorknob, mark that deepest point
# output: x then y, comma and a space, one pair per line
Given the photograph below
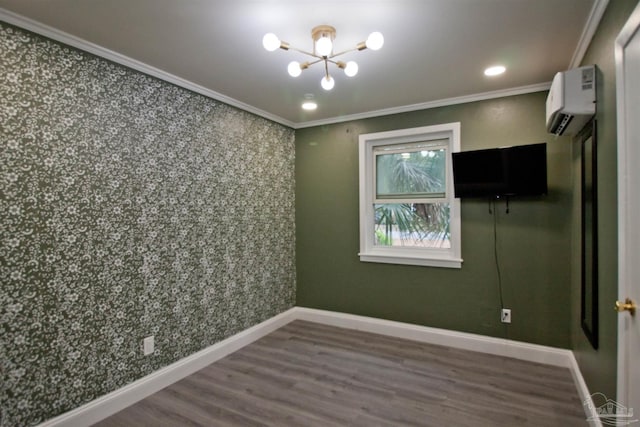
627, 305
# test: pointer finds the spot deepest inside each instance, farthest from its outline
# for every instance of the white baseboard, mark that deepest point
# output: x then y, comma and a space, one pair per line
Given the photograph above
462, 340
466, 341
117, 400
111, 403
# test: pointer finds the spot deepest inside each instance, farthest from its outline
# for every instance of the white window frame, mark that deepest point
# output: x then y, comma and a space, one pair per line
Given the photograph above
433, 257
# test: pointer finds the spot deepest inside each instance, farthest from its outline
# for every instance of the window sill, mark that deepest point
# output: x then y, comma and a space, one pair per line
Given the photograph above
412, 260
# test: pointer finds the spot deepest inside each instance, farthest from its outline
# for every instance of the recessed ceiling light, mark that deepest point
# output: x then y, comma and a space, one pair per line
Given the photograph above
309, 103
496, 70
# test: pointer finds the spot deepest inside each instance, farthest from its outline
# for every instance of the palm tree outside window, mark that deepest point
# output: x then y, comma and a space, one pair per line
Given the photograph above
409, 180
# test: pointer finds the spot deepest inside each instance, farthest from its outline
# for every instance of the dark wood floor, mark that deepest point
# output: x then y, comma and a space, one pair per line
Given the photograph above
307, 374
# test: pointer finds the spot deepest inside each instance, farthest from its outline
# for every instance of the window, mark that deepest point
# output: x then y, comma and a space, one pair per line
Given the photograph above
408, 214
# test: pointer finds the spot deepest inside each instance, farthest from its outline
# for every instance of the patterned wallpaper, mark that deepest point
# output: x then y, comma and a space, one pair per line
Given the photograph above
129, 207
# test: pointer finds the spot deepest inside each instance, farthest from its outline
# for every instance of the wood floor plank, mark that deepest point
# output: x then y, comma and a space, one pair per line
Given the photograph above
309, 374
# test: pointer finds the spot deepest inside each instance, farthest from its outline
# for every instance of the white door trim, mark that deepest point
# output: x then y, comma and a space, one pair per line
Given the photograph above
625, 218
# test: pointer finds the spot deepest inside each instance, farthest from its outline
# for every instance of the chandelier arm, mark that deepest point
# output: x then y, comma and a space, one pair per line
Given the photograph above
343, 52
316, 61
305, 52
326, 67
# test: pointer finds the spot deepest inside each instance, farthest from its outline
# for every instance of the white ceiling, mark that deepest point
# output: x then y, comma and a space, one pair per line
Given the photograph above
435, 51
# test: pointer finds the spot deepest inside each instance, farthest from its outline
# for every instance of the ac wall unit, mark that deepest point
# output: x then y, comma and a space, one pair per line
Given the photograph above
572, 100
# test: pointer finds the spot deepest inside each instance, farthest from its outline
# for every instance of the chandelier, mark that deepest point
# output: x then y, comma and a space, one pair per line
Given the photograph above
323, 37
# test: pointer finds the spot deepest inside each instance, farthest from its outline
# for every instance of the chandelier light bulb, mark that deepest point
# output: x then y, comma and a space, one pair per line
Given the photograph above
270, 42
294, 69
351, 69
327, 83
324, 46
375, 41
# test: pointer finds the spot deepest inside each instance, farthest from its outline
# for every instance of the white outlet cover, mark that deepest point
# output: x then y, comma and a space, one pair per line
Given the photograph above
505, 315
149, 345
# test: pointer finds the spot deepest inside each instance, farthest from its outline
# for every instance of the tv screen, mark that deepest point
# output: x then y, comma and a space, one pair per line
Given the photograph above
496, 172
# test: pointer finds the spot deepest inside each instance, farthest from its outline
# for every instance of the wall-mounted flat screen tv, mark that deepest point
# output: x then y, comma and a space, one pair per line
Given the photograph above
501, 172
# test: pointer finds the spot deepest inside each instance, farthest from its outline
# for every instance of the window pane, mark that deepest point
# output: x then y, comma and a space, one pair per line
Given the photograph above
411, 174
412, 224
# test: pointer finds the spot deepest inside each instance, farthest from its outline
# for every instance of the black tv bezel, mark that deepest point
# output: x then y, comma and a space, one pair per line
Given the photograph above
506, 186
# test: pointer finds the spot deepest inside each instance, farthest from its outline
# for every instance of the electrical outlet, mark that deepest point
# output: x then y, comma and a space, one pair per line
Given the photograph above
148, 345
505, 316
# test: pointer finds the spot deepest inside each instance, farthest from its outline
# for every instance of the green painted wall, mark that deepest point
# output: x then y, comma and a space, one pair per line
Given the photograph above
534, 240
599, 367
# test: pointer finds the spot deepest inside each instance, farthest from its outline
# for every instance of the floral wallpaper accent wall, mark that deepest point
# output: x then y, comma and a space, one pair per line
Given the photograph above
129, 207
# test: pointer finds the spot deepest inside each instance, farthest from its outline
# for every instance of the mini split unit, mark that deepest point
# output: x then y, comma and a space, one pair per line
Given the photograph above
571, 101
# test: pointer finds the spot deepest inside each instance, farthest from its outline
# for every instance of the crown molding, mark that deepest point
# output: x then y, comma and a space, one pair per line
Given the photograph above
78, 43
597, 10
31, 25
540, 87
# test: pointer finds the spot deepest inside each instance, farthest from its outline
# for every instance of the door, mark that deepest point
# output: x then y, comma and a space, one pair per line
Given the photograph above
627, 56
